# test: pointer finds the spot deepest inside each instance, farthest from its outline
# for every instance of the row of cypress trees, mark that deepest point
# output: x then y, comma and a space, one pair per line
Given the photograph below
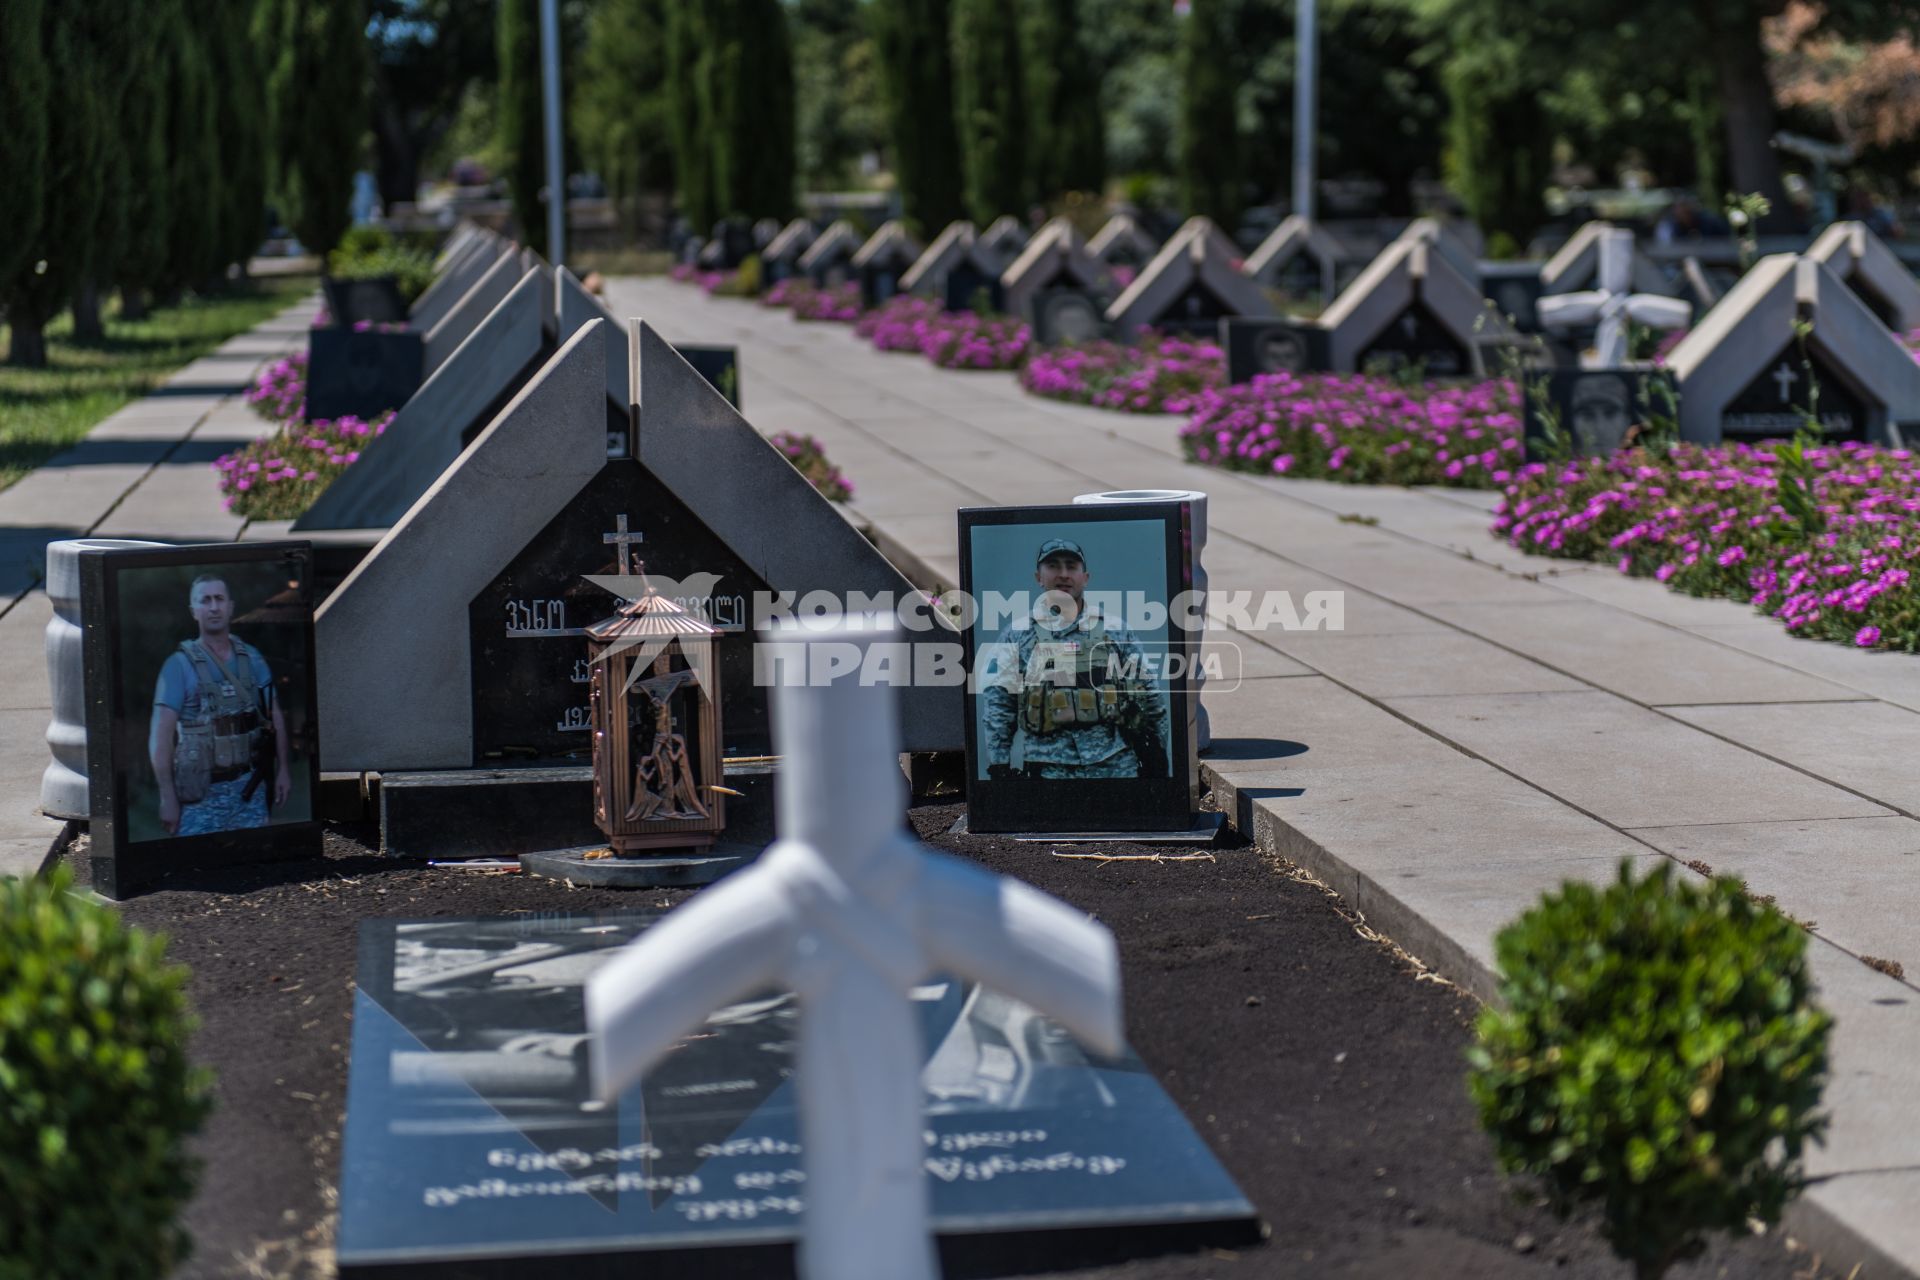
991, 105
141, 139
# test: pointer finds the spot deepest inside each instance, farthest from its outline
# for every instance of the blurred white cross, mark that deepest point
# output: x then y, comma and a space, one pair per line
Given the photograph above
1611, 305
851, 913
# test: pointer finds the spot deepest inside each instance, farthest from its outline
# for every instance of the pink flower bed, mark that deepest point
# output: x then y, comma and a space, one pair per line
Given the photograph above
1158, 375
1825, 539
1359, 429
894, 325
278, 477
279, 394
809, 457
964, 340
838, 305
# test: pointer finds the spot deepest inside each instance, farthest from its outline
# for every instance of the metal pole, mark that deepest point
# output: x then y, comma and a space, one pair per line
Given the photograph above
1305, 51
556, 174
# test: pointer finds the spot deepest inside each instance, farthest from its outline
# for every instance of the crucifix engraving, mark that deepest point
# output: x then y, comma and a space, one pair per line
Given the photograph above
852, 913
1784, 377
625, 541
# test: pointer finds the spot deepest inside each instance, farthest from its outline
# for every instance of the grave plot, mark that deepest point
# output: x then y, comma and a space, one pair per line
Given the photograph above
828, 261
888, 254
1789, 346
1411, 307
1189, 287
1299, 258
780, 260
1865, 264
1054, 260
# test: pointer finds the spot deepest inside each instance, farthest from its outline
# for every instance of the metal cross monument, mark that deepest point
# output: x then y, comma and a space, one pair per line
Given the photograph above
1611, 305
852, 913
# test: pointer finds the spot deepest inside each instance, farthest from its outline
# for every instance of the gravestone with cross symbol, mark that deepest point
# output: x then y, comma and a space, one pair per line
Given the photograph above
1411, 307
1611, 306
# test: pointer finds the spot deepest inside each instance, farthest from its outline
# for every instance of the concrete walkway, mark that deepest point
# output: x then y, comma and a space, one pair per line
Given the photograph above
1487, 725
144, 472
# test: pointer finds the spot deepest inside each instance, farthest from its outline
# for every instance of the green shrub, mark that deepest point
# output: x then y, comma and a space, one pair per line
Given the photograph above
1658, 1040
367, 251
97, 1097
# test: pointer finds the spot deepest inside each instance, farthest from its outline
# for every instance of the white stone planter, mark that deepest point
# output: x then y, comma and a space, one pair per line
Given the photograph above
1203, 736
63, 787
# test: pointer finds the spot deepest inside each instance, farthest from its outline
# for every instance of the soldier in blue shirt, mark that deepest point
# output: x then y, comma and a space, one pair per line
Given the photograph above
212, 708
1065, 692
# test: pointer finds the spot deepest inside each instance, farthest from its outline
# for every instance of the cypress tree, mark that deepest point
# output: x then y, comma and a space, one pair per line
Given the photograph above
1069, 133
317, 85
990, 106
518, 120
240, 137
1210, 157
913, 41
686, 105
107, 42
747, 93
619, 99
1500, 151
44, 276
23, 141
192, 167
144, 132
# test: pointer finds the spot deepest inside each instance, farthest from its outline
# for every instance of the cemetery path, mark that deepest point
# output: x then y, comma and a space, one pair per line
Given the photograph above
1323, 1073
1486, 725
143, 472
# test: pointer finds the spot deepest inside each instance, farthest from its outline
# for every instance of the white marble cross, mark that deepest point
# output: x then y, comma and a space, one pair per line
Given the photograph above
1611, 305
851, 913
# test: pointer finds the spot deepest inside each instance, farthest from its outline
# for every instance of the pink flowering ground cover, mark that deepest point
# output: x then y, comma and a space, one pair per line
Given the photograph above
279, 393
278, 477
1822, 537
894, 324
838, 305
1156, 375
809, 457
966, 340
1359, 429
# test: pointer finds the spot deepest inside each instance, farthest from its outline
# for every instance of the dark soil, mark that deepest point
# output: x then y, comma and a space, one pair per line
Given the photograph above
1322, 1066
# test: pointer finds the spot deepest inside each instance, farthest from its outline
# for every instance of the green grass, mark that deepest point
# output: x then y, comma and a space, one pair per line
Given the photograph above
42, 411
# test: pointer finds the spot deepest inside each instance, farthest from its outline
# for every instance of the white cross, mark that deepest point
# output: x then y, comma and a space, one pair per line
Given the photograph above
851, 913
1785, 377
1611, 305
625, 541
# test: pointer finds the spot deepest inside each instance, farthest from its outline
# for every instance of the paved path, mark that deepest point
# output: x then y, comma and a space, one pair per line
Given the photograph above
1486, 725
143, 472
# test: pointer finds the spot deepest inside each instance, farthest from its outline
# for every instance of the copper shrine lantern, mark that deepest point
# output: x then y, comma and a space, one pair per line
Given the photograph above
655, 699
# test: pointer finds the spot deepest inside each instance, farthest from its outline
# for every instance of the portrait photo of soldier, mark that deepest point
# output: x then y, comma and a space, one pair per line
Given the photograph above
218, 739
1067, 691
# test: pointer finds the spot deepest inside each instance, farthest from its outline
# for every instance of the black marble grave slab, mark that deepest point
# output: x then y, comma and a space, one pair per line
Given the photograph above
1781, 399
1066, 316
1257, 345
527, 628
1416, 337
361, 372
471, 1149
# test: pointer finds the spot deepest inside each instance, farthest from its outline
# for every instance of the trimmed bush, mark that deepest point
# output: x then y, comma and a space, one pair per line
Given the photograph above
97, 1097
1658, 1040
366, 253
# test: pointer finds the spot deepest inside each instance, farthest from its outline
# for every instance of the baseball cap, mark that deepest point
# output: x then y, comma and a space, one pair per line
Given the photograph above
1053, 546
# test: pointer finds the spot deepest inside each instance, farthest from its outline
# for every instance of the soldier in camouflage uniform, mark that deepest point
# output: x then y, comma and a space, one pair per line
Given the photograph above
211, 708
1065, 693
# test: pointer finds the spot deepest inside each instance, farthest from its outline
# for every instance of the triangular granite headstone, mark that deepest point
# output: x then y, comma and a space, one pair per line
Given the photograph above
1005, 236
461, 273
1056, 258
1576, 265
491, 569
828, 261
1189, 287
888, 254
430, 430
1410, 305
781, 258
1870, 269
474, 306
1121, 242
1299, 257
928, 274
1745, 370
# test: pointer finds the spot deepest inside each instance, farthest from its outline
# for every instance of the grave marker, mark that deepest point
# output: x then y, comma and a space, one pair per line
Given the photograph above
828, 261
1862, 260
1744, 371
1283, 344
1298, 257
1609, 307
461, 273
1005, 237
1189, 287
1054, 259
956, 268
781, 258
888, 254
1576, 265
1411, 305
1122, 242
473, 307
429, 431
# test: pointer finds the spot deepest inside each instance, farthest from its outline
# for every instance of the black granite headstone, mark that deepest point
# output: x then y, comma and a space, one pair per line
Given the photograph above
968, 288
527, 629
1257, 345
1599, 411
1781, 399
363, 373
375, 299
469, 1149
878, 283
1066, 316
831, 272
1416, 337
1195, 313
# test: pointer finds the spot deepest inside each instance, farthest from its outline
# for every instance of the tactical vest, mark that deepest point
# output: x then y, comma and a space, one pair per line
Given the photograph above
221, 724
1051, 704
